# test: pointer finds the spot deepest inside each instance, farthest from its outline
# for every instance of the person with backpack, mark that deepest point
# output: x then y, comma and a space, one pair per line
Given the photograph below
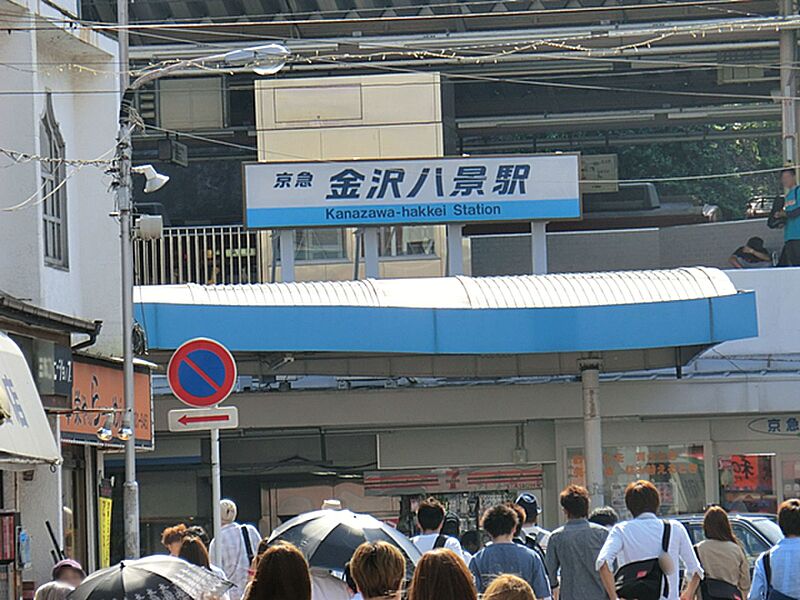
430, 518
235, 549
727, 572
648, 551
530, 504
789, 215
777, 572
504, 557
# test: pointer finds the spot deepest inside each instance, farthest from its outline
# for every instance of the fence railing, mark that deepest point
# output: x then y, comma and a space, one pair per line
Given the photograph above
205, 255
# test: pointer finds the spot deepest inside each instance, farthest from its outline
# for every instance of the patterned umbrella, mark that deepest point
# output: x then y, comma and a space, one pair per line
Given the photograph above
151, 578
328, 538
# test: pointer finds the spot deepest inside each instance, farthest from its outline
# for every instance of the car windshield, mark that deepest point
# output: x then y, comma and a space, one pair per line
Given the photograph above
769, 529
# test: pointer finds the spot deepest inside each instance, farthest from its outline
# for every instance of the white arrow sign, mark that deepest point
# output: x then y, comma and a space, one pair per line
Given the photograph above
203, 419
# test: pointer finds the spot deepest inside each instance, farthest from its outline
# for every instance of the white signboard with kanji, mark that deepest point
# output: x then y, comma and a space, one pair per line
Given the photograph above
380, 192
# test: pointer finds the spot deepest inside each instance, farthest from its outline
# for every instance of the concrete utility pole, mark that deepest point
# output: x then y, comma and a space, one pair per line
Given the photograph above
788, 51
131, 486
592, 429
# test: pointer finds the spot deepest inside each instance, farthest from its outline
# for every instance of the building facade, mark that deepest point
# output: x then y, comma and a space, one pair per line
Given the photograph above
60, 269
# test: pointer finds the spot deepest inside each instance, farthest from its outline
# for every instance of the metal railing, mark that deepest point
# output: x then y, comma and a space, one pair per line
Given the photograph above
206, 255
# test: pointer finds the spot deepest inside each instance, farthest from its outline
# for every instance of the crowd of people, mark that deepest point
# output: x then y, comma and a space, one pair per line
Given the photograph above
592, 556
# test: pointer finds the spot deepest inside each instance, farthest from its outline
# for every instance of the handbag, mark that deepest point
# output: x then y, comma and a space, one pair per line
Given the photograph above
772, 593
643, 579
717, 589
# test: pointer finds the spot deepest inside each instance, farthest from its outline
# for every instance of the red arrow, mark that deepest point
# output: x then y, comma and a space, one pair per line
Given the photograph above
187, 420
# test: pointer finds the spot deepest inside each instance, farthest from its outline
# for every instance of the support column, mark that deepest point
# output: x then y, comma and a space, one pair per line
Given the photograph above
455, 249
371, 268
788, 51
287, 255
592, 429
538, 247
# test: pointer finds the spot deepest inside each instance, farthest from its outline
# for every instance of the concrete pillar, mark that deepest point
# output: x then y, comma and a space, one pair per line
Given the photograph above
286, 241
538, 247
788, 51
592, 429
455, 249
371, 268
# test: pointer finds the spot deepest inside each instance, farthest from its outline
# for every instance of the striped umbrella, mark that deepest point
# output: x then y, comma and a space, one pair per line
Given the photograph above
328, 538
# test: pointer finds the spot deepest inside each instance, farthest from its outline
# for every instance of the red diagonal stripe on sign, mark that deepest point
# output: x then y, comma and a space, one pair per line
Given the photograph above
202, 373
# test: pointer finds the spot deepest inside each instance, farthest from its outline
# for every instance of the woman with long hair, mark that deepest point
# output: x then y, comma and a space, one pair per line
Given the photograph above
378, 569
282, 574
509, 587
442, 575
721, 555
194, 551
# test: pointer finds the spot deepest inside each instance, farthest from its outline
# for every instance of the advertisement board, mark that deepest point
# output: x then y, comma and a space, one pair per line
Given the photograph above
431, 190
99, 385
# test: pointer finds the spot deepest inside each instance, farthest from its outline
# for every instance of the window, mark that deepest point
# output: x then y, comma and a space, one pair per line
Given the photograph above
405, 240
190, 103
315, 244
54, 190
676, 470
746, 483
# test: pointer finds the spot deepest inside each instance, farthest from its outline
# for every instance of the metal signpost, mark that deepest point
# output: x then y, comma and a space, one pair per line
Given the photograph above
201, 374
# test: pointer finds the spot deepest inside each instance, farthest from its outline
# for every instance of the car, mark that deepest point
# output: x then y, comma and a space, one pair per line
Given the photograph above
757, 532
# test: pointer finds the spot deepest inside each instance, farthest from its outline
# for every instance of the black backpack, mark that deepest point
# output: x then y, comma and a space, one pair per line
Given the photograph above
644, 579
441, 540
774, 221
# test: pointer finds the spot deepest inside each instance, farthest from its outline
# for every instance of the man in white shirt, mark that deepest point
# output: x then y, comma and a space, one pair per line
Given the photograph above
530, 529
235, 549
430, 518
641, 539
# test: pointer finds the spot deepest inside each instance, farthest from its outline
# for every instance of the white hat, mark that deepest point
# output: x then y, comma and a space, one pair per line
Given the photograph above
227, 509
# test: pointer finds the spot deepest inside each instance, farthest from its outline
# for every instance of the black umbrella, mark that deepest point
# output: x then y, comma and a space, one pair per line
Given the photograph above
151, 578
328, 538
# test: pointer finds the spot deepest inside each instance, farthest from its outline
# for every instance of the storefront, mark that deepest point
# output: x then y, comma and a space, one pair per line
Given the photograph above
90, 429
28, 453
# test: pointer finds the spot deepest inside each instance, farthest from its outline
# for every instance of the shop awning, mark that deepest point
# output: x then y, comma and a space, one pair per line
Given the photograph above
516, 325
25, 435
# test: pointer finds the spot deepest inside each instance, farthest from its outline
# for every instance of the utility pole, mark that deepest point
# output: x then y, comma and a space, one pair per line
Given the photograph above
124, 201
788, 51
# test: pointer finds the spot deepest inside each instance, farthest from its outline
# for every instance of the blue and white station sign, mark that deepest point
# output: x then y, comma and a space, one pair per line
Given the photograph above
444, 190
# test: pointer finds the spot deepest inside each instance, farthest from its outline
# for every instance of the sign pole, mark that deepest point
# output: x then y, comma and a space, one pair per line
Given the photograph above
455, 249
216, 487
371, 269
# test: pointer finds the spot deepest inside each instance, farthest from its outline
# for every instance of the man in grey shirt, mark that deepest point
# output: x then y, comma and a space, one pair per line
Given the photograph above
572, 550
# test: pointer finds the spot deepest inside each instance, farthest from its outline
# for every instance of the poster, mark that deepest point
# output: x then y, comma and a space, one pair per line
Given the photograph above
104, 506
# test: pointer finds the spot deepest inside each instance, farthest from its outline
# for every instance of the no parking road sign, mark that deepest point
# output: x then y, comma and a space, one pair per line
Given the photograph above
201, 373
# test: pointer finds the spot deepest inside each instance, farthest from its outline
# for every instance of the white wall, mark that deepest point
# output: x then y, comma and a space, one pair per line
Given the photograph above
90, 287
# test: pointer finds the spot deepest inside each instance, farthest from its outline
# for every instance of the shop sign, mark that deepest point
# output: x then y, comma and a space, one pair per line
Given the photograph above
99, 385
788, 425
437, 481
382, 192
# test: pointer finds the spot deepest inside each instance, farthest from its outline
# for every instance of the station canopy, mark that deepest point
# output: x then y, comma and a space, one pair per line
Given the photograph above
455, 326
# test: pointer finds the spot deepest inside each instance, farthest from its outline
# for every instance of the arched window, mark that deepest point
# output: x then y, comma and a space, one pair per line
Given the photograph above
54, 190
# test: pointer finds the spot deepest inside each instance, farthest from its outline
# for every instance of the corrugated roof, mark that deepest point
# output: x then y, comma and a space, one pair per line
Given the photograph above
523, 291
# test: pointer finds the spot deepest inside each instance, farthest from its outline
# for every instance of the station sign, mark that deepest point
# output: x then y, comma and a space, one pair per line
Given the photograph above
406, 191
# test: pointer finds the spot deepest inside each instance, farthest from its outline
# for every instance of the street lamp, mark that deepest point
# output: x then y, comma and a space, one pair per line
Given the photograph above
266, 59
